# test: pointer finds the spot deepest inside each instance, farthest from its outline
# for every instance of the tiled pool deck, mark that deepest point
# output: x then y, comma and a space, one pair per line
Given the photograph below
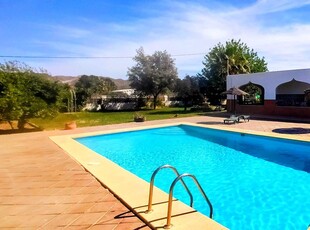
42, 187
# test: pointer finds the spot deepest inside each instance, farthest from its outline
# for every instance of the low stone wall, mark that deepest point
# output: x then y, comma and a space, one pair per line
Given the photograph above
269, 108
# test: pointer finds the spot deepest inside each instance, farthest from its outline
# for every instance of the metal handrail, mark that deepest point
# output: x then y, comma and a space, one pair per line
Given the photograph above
149, 209
168, 225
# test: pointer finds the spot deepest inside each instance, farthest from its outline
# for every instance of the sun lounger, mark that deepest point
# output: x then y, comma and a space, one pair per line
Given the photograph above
244, 117
234, 119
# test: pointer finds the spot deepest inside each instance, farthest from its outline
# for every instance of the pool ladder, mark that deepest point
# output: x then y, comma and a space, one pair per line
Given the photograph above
176, 180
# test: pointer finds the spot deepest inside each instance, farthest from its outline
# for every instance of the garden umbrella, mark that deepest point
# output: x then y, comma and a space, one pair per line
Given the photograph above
235, 91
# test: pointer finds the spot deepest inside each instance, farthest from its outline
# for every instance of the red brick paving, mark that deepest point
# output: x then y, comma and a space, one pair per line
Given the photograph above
41, 187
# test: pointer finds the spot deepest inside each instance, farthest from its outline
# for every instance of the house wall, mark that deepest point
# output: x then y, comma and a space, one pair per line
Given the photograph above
269, 108
270, 81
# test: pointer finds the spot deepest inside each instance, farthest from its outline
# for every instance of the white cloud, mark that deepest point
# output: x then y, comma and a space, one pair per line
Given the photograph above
187, 29
69, 32
271, 6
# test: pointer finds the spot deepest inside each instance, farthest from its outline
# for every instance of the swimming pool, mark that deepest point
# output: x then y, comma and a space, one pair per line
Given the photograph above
251, 181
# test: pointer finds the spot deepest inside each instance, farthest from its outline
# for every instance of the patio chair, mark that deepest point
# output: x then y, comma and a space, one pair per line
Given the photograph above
234, 119
244, 117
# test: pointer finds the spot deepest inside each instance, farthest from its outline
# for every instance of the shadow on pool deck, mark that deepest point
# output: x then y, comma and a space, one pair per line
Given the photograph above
294, 130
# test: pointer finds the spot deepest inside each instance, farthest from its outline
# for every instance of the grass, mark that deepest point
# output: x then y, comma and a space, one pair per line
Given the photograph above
84, 119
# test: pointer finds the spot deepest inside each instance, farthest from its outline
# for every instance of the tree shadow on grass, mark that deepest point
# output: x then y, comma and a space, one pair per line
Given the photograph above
6, 129
14, 131
294, 130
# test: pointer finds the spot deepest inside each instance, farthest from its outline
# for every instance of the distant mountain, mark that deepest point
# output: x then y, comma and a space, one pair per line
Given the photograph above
121, 83
71, 80
67, 79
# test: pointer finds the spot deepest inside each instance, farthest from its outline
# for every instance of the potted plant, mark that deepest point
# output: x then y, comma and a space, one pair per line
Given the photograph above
70, 125
139, 117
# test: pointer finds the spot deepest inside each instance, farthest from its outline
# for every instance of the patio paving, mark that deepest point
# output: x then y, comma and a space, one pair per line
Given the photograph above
41, 187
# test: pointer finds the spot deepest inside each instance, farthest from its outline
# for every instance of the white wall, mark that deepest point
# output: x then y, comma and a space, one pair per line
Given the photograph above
269, 80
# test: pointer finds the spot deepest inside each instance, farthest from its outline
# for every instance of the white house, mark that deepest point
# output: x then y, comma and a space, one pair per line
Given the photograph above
280, 93
128, 92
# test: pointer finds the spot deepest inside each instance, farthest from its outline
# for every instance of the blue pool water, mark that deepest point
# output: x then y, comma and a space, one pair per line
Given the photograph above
253, 182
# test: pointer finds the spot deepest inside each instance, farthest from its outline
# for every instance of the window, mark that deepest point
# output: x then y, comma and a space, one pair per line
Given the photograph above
255, 94
292, 93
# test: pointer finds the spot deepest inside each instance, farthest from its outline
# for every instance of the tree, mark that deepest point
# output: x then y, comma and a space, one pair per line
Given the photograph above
26, 93
188, 91
233, 58
88, 86
152, 74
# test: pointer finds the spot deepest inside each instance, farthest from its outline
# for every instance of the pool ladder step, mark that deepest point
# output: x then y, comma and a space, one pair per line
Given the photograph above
179, 177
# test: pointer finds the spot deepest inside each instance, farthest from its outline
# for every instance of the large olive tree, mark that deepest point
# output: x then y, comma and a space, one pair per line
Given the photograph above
235, 57
26, 93
152, 74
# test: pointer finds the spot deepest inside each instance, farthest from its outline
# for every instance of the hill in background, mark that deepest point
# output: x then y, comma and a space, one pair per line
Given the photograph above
71, 80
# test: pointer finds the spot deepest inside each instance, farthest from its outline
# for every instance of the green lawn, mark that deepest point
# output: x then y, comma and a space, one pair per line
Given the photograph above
84, 119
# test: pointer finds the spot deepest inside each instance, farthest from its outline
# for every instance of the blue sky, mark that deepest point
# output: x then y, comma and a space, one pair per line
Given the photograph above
279, 30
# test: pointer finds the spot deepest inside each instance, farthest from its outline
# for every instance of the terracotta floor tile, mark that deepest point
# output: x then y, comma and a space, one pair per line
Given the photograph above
93, 188
102, 206
44, 209
104, 227
62, 220
119, 207
98, 197
110, 218
132, 226
74, 199
128, 217
88, 219
72, 183
80, 208
49, 228
53, 199
66, 191
77, 227
20, 200
25, 221
109, 197
37, 221
36, 191
11, 221
11, 210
